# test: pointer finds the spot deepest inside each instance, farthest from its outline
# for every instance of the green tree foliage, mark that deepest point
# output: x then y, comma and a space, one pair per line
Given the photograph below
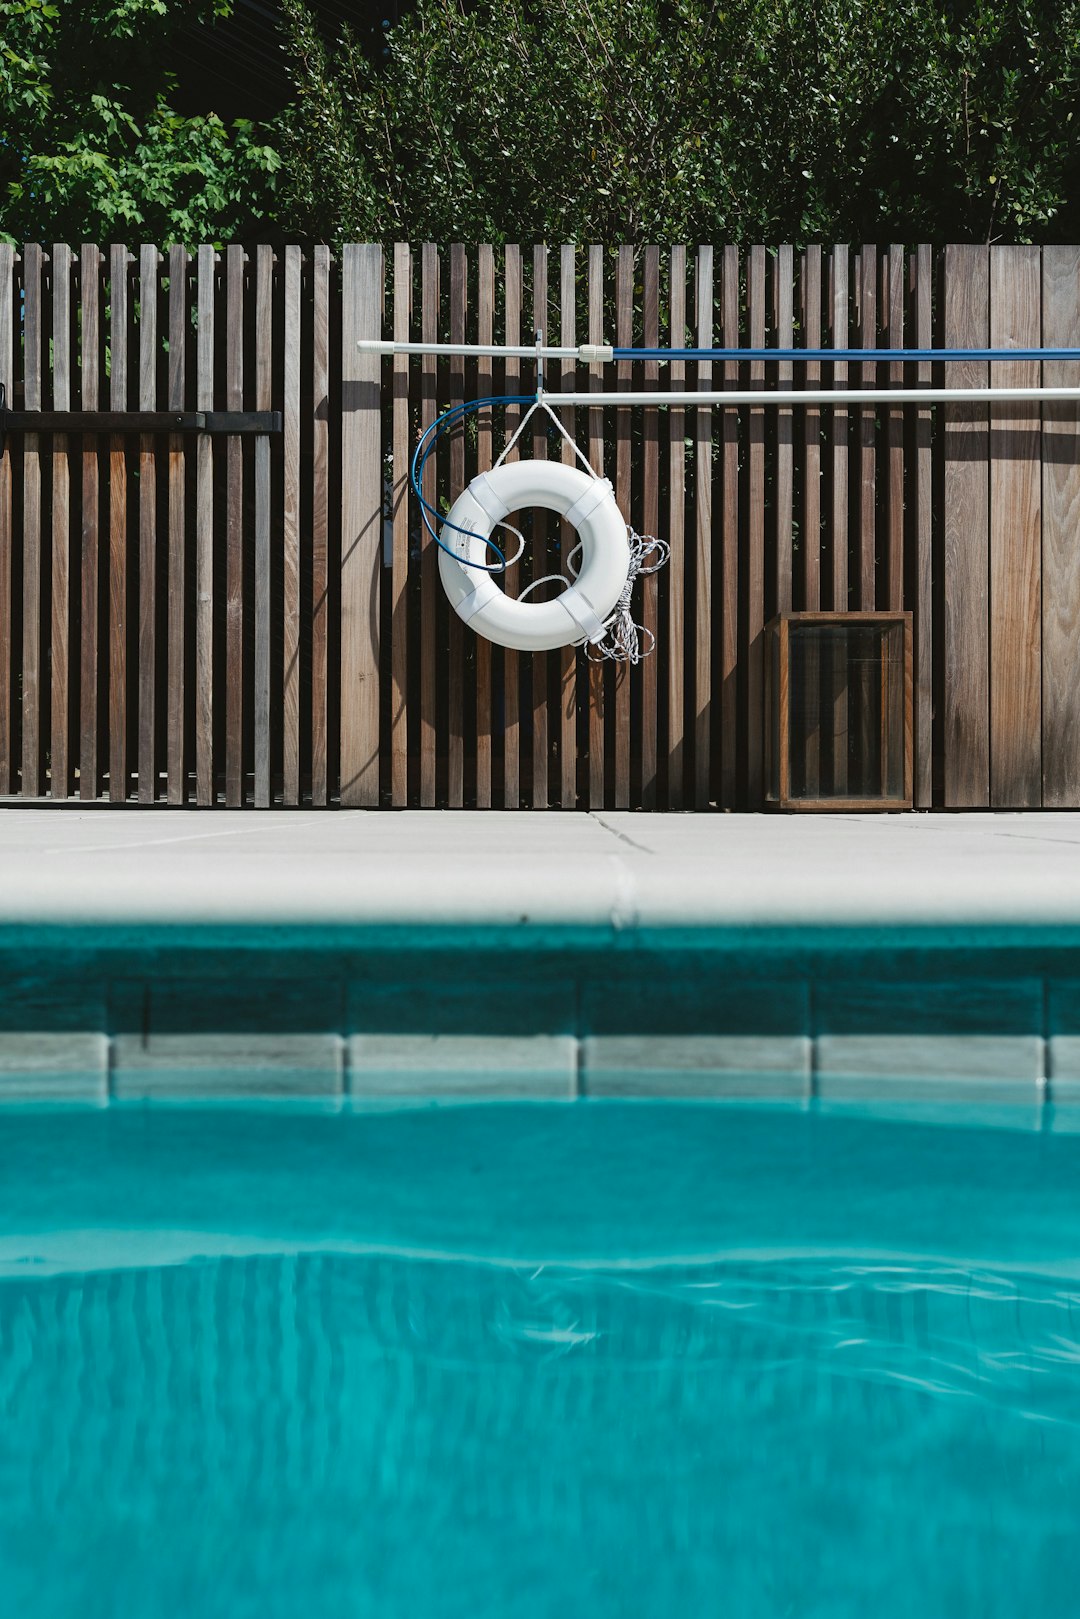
90, 148
685, 120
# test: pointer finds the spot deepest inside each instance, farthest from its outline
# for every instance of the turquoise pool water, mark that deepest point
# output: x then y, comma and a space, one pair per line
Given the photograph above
537, 1361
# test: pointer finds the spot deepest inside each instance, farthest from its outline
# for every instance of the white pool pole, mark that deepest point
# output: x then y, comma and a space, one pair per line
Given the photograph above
848, 398
587, 353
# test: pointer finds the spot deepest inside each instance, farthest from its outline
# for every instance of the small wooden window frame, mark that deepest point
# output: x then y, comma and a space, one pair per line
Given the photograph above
780, 704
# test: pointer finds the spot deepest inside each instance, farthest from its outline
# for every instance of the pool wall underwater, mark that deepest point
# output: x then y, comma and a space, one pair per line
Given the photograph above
370, 1016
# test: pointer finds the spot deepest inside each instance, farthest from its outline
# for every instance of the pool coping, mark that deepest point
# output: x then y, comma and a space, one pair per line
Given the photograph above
387, 960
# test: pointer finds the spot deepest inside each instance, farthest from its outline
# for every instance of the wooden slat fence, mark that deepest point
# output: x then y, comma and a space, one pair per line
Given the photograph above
245, 620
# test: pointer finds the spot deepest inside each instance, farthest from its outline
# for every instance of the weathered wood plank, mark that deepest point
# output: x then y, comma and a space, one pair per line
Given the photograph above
1060, 526
399, 566
204, 535
264, 358
455, 749
568, 659
810, 303
922, 511
596, 457
676, 537
33, 261
1015, 538
542, 563
866, 444
7, 382
485, 317
149, 258
893, 321
429, 556
176, 776
90, 260
512, 305
784, 497
811, 372
650, 524
966, 525
866, 287
361, 525
755, 546
728, 426
290, 521
60, 639
703, 515
840, 436
320, 524
624, 336
234, 532
119, 259
839, 537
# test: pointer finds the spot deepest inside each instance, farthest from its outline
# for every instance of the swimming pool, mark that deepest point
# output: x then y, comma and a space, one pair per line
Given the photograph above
529, 1360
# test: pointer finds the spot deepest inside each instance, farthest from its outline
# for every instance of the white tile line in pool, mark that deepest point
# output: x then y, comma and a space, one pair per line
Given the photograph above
99, 1068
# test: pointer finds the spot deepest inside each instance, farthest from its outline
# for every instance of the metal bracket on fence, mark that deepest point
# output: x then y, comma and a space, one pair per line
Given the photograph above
136, 421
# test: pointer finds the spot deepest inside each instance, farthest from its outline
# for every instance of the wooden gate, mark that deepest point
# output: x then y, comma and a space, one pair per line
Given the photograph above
254, 617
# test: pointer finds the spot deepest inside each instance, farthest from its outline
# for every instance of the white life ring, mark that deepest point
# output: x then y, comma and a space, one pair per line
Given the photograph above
578, 614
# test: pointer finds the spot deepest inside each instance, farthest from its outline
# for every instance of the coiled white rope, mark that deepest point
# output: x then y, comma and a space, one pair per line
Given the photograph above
622, 640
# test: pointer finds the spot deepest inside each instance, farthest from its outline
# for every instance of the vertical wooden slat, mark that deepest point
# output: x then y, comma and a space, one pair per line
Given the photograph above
485, 317
320, 523
511, 669
60, 640
290, 521
838, 512
568, 658
676, 536
1060, 526
264, 354
893, 312
650, 522
429, 569
175, 765
89, 377
922, 270
624, 336
811, 324
729, 582
811, 531
540, 562
118, 564
1015, 538
361, 525
755, 532
7, 381
234, 532
703, 502
866, 451
148, 354
784, 338
596, 457
456, 670
204, 537
399, 567
966, 523
33, 259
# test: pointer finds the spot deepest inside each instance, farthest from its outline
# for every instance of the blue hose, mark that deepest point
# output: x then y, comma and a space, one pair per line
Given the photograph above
428, 443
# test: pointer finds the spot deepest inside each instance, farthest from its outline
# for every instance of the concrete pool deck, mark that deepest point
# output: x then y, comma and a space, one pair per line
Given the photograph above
532, 870
370, 959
